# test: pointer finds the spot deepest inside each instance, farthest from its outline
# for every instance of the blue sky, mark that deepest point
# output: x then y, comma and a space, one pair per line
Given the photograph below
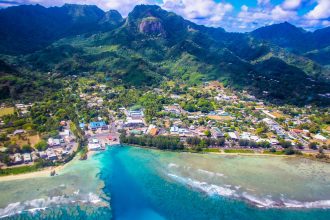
233, 15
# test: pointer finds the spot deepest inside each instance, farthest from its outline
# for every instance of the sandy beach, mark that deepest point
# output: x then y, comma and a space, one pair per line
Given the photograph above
41, 173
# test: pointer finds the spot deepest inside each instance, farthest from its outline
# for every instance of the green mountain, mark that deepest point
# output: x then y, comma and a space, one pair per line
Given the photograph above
27, 28
309, 44
152, 45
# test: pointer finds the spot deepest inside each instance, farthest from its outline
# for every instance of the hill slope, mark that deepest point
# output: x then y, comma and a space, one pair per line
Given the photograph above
153, 45
28, 28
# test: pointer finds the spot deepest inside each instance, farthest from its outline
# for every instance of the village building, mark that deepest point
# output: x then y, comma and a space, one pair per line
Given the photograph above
320, 137
216, 132
43, 154
134, 123
54, 142
94, 147
233, 136
27, 158
51, 155
98, 125
17, 158
19, 131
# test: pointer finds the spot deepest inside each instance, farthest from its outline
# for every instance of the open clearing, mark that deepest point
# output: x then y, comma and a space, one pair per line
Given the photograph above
6, 111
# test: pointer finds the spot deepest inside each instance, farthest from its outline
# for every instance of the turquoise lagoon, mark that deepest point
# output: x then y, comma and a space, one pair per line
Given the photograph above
135, 183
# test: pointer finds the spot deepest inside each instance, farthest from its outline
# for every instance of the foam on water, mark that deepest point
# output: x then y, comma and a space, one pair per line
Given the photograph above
44, 203
210, 189
210, 173
261, 202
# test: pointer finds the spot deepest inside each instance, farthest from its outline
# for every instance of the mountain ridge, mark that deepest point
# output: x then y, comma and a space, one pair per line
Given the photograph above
152, 45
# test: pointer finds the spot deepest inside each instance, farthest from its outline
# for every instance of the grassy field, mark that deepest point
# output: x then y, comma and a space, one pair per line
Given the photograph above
211, 150
275, 153
26, 139
6, 111
244, 151
18, 170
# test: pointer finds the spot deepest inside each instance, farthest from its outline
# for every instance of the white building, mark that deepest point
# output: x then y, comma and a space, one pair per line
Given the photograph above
27, 158
233, 136
94, 147
54, 142
320, 137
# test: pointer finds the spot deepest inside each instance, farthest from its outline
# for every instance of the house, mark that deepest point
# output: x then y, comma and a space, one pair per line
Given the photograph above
174, 130
245, 136
66, 132
52, 142
34, 156
135, 114
174, 109
19, 131
134, 123
94, 147
82, 126
95, 141
273, 141
27, 158
320, 138
18, 158
98, 124
233, 136
43, 154
216, 133
179, 131
51, 155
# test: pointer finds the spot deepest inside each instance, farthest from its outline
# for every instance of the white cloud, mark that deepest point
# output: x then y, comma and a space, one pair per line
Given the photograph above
123, 6
291, 4
220, 12
244, 8
200, 11
321, 11
263, 2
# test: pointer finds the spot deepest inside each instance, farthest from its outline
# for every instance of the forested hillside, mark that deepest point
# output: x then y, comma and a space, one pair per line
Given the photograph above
152, 45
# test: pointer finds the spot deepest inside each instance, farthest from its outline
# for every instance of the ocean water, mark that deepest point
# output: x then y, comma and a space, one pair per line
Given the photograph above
133, 183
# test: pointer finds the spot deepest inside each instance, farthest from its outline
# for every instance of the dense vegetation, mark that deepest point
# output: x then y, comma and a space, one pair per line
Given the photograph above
160, 142
150, 46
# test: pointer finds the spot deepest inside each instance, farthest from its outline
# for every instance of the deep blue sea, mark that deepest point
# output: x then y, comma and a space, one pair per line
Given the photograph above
138, 190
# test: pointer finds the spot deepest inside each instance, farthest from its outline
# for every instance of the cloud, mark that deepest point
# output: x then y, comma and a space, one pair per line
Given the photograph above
263, 2
291, 4
206, 12
123, 6
321, 10
309, 14
251, 18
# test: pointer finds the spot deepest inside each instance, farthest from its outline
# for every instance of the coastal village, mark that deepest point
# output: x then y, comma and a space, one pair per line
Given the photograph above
206, 117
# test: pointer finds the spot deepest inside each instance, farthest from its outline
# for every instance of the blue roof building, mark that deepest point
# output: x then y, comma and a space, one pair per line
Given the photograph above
97, 124
82, 125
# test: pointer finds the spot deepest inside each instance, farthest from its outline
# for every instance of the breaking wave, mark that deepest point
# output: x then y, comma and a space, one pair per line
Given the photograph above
265, 202
210, 189
36, 205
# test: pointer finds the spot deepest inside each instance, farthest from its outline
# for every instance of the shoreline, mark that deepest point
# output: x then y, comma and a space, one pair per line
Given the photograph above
44, 172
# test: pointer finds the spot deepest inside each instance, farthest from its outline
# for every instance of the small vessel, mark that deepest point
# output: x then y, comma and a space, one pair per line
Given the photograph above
52, 173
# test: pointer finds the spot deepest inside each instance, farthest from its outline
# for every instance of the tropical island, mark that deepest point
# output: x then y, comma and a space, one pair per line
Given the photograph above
93, 104
178, 105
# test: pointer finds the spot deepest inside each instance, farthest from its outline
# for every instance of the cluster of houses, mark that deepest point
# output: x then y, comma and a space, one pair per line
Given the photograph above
92, 100
57, 149
23, 109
